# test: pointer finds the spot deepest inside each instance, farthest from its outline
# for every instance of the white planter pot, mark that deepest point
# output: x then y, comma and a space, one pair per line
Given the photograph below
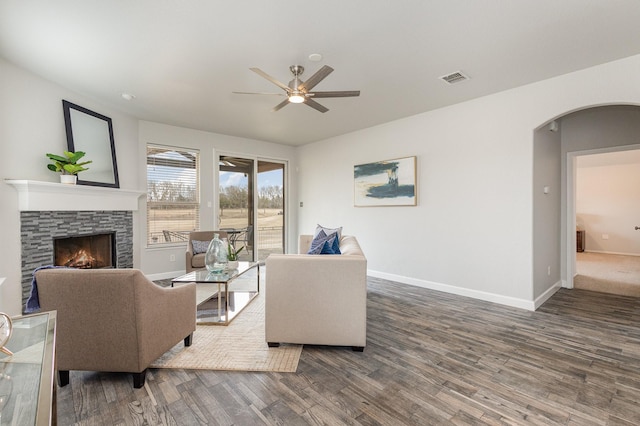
232, 264
68, 179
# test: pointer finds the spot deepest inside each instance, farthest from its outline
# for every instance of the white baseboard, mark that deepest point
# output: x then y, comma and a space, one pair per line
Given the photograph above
475, 294
547, 294
611, 252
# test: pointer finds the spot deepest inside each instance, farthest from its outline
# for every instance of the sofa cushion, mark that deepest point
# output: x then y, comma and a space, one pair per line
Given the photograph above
197, 261
349, 246
200, 246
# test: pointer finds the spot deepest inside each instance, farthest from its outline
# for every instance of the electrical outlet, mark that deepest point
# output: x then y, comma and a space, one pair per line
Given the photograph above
605, 236
172, 258
549, 270
301, 204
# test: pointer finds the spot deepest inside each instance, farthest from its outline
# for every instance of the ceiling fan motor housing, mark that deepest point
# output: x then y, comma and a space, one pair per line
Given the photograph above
296, 70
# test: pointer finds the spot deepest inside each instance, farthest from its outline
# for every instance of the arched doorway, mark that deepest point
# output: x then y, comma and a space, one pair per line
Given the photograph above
584, 132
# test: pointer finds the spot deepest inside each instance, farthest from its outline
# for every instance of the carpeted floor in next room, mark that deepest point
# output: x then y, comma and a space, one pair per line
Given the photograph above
608, 273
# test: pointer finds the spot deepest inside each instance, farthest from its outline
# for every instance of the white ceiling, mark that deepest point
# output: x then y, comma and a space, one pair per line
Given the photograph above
182, 59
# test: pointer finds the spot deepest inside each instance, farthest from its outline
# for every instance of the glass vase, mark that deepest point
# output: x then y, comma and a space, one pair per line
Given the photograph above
216, 257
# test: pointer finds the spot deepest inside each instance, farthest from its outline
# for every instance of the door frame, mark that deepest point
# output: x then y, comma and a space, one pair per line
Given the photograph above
571, 182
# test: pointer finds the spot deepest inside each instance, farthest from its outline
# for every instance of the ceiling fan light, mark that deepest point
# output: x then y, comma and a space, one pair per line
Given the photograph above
296, 99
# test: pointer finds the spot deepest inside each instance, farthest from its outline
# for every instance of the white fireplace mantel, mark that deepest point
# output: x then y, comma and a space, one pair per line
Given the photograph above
50, 196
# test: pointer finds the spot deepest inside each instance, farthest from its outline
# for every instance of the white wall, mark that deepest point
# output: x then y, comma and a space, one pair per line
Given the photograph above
608, 202
156, 261
32, 124
546, 210
471, 232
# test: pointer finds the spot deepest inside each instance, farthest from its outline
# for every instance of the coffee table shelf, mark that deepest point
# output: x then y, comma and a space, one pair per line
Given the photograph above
221, 297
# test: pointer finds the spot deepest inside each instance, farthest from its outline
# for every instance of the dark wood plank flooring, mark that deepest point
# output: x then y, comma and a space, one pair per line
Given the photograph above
431, 358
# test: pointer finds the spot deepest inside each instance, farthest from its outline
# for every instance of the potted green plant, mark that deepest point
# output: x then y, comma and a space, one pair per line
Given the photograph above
232, 256
67, 165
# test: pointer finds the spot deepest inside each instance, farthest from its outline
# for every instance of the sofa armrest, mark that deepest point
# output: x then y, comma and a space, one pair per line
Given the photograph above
188, 260
170, 318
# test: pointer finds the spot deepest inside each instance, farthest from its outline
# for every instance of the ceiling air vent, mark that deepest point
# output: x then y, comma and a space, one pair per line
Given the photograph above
454, 77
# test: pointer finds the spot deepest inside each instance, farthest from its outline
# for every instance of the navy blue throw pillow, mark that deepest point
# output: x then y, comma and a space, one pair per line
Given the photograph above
317, 243
325, 244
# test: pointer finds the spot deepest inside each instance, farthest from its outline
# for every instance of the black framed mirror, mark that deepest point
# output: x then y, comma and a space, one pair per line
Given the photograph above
92, 133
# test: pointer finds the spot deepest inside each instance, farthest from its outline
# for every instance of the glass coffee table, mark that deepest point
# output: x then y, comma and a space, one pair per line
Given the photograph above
221, 297
27, 378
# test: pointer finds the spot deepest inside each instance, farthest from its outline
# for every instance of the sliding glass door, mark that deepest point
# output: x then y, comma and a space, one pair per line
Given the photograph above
251, 205
236, 203
270, 215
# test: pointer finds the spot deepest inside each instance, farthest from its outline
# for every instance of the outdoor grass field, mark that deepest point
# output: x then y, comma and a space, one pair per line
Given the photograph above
181, 221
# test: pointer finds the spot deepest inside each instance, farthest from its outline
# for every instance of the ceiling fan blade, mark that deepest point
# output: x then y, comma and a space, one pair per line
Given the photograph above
335, 94
316, 78
281, 105
271, 79
258, 93
313, 104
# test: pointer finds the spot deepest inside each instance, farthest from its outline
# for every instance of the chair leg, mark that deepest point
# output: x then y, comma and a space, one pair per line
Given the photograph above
188, 340
63, 377
138, 379
273, 344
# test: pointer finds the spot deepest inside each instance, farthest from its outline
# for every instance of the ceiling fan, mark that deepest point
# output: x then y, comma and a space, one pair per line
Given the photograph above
299, 91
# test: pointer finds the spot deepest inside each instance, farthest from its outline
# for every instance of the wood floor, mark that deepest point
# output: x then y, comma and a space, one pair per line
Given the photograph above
431, 358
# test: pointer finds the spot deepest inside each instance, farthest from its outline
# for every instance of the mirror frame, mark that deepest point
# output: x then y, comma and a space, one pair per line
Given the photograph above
86, 123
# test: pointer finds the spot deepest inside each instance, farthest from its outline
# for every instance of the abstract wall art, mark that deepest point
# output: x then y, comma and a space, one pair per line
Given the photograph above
385, 183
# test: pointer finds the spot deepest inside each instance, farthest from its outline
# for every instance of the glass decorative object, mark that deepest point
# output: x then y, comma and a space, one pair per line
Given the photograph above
216, 257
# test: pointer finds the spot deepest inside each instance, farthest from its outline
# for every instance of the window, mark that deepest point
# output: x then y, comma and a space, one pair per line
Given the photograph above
173, 201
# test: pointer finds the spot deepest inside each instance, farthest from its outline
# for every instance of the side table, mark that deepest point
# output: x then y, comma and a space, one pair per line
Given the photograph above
580, 241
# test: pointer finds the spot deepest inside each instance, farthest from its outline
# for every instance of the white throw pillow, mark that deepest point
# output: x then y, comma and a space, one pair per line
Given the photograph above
328, 231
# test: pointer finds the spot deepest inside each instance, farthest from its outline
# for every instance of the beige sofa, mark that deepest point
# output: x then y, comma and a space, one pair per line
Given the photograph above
114, 320
317, 299
193, 260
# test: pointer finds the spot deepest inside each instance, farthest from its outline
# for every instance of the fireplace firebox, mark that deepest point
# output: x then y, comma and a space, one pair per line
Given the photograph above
85, 251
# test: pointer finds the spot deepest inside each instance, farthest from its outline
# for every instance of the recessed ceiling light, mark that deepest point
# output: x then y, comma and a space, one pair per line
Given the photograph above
128, 96
315, 57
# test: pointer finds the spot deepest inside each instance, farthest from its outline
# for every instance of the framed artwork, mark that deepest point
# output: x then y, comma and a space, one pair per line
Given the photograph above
385, 183
92, 133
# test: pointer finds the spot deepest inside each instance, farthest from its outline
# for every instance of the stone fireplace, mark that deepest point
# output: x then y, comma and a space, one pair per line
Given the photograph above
58, 223
39, 230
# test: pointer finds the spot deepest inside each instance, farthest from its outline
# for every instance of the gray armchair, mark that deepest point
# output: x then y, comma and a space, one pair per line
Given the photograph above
114, 320
196, 260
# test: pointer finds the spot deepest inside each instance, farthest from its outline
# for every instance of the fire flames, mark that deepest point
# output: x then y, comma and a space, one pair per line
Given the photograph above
81, 259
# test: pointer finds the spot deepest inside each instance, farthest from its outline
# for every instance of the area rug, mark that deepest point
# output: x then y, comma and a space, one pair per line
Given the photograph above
240, 346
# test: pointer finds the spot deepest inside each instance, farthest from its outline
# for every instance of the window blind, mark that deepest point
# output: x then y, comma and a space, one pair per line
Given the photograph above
173, 200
